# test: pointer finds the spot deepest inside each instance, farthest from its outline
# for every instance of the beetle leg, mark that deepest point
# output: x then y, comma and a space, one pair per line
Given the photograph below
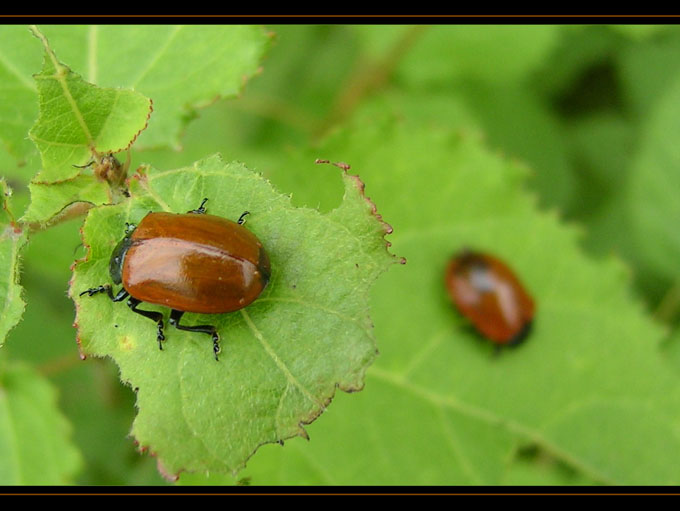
94, 290
154, 316
106, 288
201, 209
122, 294
129, 228
176, 315
242, 219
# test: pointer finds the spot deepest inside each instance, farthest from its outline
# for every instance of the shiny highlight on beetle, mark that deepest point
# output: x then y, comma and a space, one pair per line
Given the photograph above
489, 294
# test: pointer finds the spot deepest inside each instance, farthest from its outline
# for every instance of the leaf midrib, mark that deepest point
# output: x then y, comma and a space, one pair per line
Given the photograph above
27, 83
278, 362
447, 402
161, 51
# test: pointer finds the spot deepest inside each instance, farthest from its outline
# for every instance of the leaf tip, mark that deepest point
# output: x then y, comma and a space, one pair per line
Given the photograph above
167, 475
360, 186
302, 432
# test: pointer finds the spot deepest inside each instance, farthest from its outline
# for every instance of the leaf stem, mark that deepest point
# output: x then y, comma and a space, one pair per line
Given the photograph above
75, 210
366, 78
59, 364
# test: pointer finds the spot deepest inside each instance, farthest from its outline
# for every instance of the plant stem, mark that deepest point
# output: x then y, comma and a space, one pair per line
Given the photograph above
367, 78
75, 210
59, 365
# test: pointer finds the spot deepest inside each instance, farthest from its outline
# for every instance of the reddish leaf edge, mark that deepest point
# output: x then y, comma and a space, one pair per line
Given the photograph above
173, 476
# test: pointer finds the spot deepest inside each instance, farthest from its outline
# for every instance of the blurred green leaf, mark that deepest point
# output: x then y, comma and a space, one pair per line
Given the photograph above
180, 67
283, 357
588, 386
19, 106
12, 241
533, 467
489, 53
648, 68
653, 187
35, 448
640, 31
519, 123
578, 48
601, 147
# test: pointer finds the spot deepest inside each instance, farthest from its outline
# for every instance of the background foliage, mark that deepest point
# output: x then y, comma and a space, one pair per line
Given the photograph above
554, 147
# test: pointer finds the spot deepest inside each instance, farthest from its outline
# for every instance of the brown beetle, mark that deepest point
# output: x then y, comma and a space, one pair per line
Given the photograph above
190, 262
487, 292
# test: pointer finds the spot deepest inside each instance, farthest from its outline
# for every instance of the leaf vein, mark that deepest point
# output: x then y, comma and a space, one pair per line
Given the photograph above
318, 307
279, 363
92, 34
161, 50
491, 418
14, 71
454, 444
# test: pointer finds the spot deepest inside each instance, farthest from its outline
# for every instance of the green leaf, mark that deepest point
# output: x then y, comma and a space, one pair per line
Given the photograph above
48, 200
18, 108
648, 69
180, 67
579, 49
78, 119
35, 448
537, 469
489, 53
603, 146
653, 186
12, 241
639, 31
588, 386
99, 408
282, 357
499, 109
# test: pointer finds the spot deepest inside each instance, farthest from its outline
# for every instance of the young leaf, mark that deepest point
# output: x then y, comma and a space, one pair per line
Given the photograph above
12, 241
35, 448
78, 119
588, 385
181, 67
282, 357
50, 200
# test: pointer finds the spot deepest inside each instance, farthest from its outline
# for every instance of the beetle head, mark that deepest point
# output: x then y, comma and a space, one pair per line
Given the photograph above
118, 255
